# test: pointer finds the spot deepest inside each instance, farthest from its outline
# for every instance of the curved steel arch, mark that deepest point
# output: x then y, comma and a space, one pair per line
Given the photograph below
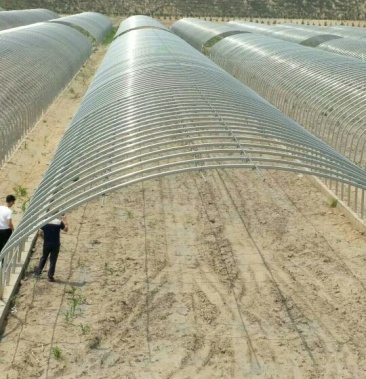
95, 24
324, 94
13, 19
36, 63
157, 107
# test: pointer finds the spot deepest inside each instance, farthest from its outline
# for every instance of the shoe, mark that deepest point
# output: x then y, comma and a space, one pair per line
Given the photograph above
51, 279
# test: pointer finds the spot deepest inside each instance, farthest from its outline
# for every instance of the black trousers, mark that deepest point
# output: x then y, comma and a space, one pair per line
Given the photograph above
52, 252
4, 236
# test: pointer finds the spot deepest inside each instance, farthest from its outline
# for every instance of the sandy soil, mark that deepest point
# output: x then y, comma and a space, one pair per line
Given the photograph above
231, 277
216, 276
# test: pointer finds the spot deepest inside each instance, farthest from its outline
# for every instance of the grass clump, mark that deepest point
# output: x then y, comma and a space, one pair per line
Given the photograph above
110, 36
57, 352
85, 329
21, 193
333, 203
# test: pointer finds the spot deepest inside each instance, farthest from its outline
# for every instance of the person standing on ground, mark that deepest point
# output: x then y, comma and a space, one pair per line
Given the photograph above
6, 222
51, 245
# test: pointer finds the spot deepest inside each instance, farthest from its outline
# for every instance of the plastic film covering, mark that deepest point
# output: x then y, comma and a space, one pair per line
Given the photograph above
347, 31
322, 38
158, 107
279, 32
349, 47
139, 22
341, 40
199, 32
319, 39
95, 24
252, 27
12, 19
36, 63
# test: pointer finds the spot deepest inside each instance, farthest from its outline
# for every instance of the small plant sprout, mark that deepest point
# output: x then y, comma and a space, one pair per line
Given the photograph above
85, 329
14, 302
22, 196
57, 352
67, 316
333, 203
75, 302
107, 269
71, 291
73, 306
129, 214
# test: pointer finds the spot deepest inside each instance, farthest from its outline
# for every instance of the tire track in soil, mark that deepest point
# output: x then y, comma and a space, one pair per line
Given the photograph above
343, 313
322, 337
229, 194
196, 298
180, 243
225, 266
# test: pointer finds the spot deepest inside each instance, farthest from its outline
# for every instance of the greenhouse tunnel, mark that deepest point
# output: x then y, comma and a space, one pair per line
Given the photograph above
158, 107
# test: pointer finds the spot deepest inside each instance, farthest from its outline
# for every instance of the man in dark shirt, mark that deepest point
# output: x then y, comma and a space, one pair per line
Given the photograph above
51, 245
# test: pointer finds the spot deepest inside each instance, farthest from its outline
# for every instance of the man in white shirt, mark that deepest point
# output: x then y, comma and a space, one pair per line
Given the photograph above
6, 222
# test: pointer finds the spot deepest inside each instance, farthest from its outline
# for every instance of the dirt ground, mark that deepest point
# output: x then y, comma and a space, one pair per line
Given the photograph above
221, 275
231, 277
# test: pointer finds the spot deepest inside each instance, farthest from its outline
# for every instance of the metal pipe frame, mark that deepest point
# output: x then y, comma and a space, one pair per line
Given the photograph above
13, 19
157, 107
36, 63
324, 94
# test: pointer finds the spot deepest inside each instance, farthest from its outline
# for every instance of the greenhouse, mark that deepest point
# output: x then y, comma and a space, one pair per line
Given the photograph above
12, 19
287, 75
158, 107
139, 22
201, 34
94, 24
38, 81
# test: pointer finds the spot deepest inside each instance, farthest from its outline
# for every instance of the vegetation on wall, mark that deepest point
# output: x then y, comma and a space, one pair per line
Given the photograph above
306, 9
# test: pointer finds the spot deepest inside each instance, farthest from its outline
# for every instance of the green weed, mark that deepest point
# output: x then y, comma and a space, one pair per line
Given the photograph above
107, 269
57, 352
333, 203
67, 316
72, 290
110, 36
85, 329
21, 193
